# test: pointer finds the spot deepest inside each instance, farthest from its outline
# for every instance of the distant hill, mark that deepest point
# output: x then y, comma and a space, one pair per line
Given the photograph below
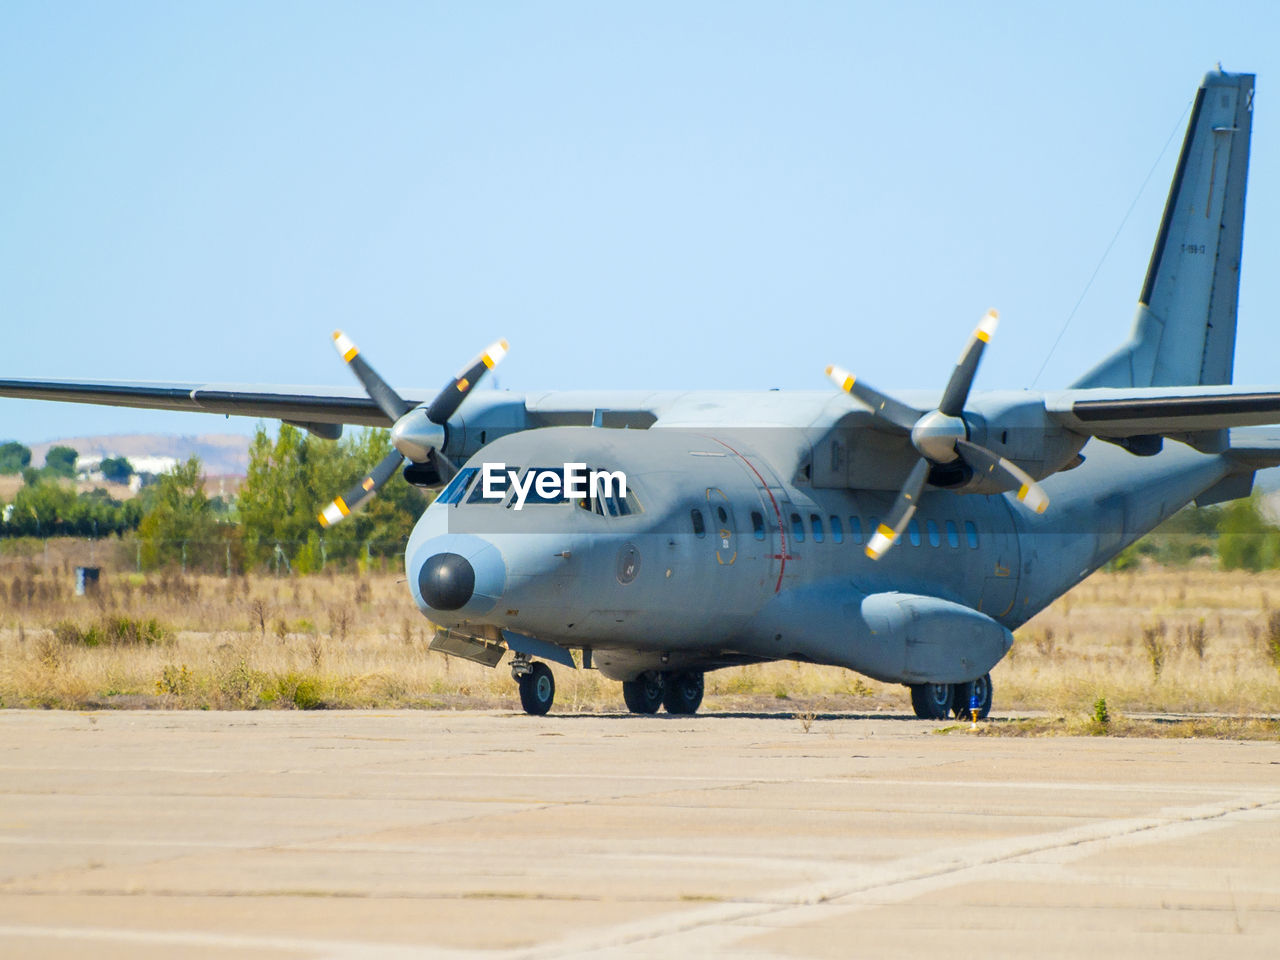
223, 454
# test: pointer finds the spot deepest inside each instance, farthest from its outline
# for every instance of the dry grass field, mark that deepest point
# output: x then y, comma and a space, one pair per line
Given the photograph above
1161, 640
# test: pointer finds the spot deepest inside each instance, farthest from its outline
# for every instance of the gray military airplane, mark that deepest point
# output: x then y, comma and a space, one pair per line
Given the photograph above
902, 536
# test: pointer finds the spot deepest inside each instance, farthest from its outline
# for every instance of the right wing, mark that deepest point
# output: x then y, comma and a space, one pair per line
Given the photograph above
1166, 411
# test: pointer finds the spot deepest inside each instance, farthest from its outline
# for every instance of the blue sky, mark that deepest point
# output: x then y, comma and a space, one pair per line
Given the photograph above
711, 195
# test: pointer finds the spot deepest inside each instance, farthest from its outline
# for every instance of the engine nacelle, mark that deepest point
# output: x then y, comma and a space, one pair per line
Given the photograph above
1018, 428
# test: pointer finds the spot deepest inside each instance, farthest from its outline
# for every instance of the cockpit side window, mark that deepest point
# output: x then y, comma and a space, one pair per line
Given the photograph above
457, 486
623, 506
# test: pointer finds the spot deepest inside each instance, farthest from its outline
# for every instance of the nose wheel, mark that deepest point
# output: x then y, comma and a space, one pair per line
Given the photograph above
537, 686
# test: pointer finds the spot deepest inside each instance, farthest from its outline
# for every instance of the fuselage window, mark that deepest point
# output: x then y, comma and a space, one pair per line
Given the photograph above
855, 529
913, 531
457, 486
837, 530
971, 534
722, 516
797, 528
953, 535
931, 528
757, 525
815, 522
699, 525
501, 487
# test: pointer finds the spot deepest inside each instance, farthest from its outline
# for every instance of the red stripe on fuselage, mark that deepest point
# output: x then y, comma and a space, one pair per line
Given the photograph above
777, 512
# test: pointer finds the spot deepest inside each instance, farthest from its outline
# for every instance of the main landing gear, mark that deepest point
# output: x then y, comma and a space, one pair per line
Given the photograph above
679, 691
938, 701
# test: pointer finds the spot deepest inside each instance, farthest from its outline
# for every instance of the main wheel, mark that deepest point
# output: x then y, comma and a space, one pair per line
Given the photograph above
644, 693
537, 689
932, 701
683, 693
964, 694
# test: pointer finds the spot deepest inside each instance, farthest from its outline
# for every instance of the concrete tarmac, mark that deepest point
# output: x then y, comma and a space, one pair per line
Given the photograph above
423, 835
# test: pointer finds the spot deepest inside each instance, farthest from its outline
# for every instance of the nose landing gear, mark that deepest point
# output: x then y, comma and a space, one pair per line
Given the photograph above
537, 684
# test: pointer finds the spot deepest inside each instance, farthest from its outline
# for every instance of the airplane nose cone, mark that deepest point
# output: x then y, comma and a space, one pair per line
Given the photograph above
447, 581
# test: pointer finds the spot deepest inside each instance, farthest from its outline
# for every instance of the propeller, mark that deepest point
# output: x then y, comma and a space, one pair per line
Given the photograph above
416, 433
940, 436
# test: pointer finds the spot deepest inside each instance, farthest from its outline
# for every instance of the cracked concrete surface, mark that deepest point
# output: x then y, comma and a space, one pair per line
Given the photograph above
422, 835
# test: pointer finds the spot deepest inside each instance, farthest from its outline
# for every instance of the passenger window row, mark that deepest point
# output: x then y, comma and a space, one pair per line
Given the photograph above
834, 527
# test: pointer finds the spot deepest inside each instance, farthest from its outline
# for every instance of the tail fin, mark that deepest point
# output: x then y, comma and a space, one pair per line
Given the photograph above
1185, 330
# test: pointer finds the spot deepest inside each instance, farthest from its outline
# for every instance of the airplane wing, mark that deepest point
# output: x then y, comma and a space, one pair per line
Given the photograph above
300, 404
1162, 411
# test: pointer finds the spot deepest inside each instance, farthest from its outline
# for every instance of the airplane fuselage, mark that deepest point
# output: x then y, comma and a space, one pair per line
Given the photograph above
726, 558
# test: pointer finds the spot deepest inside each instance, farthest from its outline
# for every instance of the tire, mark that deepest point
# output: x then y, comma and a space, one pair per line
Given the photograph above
683, 693
644, 693
986, 693
537, 690
932, 701
964, 693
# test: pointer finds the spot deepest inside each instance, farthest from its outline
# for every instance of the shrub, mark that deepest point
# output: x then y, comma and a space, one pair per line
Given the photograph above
1101, 715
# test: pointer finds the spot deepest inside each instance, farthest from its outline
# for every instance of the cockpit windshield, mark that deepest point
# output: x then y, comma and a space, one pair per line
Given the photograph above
499, 486
547, 485
456, 487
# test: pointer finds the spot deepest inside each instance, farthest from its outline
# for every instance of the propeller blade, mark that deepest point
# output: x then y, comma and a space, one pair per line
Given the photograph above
362, 491
446, 404
957, 392
886, 408
904, 507
445, 467
983, 460
388, 401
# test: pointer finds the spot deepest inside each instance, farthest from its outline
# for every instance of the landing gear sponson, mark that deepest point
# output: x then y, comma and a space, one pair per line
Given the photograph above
938, 701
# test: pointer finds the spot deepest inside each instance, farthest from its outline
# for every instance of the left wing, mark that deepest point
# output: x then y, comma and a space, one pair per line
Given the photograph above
328, 405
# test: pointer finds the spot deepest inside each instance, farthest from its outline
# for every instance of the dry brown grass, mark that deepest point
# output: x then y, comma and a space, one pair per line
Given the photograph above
1160, 640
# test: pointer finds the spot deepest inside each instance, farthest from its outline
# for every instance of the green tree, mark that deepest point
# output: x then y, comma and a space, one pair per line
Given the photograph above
48, 508
14, 457
295, 475
1246, 541
43, 510
61, 461
116, 469
179, 519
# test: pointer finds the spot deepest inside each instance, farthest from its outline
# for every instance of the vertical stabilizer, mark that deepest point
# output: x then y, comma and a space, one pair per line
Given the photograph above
1185, 329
